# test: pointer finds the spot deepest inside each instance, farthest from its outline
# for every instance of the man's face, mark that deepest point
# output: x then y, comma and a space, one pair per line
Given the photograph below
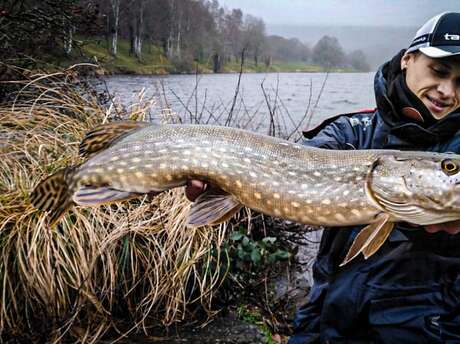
436, 82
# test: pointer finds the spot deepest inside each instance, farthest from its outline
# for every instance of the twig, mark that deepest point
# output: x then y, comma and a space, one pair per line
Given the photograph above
296, 128
271, 130
317, 100
229, 118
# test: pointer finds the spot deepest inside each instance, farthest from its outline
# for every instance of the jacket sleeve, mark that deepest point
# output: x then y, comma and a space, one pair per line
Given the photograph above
336, 135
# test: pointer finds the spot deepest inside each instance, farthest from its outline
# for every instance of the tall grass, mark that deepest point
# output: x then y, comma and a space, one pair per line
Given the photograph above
134, 261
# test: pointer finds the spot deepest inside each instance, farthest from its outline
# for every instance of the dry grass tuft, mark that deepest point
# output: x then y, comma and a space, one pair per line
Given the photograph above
134, 261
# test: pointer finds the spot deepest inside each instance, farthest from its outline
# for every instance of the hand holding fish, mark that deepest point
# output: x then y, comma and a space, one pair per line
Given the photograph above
276, 177
452, 227
194, 189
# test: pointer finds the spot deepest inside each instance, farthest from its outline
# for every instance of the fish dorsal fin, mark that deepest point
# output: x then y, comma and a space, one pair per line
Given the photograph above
53, 194
370, 238
213, 207
105, 135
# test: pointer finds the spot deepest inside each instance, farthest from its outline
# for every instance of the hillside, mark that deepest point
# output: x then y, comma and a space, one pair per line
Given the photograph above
379, 43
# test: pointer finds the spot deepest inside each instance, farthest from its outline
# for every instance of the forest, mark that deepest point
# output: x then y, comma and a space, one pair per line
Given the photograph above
183, 32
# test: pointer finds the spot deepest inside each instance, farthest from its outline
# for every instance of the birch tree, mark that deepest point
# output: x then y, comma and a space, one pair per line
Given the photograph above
139, 30
115, 7
135, 15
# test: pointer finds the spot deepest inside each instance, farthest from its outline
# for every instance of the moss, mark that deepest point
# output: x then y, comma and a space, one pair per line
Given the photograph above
254, 316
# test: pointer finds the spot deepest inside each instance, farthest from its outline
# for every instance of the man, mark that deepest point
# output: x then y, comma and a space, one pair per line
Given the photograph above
409, 291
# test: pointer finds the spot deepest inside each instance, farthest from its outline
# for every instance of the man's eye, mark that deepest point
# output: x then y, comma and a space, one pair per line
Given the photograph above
440, 72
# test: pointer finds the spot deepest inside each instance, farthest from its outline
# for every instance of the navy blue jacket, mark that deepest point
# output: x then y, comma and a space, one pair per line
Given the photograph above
409, 291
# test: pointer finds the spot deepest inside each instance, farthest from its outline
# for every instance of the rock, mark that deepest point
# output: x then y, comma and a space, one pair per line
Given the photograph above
225, 330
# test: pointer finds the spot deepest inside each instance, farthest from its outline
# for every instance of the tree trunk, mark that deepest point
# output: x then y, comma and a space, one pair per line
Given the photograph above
68, 40
115, 12
216, 63
132, 39
139, 31
172, 25
268, 61
114, 43
256, 56
68, 36
178, 53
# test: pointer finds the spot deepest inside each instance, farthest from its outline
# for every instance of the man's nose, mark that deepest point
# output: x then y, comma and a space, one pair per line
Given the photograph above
447, 88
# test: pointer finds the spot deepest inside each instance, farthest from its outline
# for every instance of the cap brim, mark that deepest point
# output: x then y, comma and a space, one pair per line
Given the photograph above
442, 51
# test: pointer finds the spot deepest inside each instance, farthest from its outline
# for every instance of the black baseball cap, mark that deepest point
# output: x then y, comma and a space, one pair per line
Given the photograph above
439, 36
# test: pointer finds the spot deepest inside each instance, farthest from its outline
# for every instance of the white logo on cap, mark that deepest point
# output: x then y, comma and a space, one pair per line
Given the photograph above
451, 37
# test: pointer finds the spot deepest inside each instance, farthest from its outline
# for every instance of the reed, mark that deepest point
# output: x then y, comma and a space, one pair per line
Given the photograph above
134, 261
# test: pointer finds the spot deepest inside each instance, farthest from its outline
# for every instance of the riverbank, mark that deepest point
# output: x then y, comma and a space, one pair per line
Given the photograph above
128, 268
154, 62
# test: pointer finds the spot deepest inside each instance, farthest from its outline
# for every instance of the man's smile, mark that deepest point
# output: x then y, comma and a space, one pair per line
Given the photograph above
436, 105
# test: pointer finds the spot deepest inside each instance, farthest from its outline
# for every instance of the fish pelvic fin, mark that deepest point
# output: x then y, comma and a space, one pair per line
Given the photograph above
53, 194
370, 238
103, 136
213, 207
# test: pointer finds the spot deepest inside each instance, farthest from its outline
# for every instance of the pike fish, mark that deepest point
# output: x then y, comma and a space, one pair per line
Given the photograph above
276, 177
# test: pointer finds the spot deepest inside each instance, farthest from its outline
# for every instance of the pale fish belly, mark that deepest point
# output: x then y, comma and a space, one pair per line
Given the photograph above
269, 175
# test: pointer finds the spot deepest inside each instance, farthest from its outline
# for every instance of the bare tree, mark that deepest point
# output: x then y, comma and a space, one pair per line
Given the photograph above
254, 36
232, 32
138, 28
115, 6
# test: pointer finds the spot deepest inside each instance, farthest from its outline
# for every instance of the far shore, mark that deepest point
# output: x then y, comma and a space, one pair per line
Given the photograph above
154, 62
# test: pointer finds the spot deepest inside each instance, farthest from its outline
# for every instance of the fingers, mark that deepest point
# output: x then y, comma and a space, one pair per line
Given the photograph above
449, 227
195, 188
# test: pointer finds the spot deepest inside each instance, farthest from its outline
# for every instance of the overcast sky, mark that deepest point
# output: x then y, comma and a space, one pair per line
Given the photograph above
344, 12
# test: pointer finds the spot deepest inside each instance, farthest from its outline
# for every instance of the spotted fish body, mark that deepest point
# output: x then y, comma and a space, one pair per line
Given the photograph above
276, 177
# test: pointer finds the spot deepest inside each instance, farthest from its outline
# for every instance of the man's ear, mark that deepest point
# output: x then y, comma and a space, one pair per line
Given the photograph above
405, 60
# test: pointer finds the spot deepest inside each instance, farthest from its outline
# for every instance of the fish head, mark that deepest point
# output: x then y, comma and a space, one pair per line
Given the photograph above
419, 188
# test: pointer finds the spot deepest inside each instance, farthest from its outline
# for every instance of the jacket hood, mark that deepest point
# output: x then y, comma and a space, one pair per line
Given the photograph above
405, 127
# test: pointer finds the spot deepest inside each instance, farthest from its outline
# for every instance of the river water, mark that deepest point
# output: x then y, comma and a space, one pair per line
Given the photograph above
290, 98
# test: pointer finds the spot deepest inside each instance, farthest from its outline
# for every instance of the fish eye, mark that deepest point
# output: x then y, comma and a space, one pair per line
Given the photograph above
449, 167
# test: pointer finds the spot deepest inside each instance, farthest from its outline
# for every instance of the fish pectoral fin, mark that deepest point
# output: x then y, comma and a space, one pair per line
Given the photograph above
94, 196
213, 207
370, 238
378, 240
104, 135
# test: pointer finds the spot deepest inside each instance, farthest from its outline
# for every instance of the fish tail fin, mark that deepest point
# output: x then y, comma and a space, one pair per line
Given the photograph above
53, 194
104, 135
